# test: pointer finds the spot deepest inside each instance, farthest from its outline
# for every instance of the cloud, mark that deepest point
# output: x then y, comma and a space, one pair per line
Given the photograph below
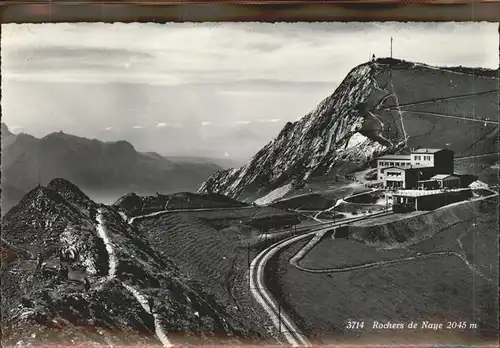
16, 128
162, 124
108, 128
269, 120
206, 123
157, 54
137, 127
242, 122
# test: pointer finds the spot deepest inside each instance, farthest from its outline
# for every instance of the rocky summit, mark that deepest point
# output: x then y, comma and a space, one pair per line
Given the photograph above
381, 107
76, 271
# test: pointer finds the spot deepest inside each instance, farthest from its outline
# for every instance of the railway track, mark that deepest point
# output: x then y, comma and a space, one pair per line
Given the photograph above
287, 329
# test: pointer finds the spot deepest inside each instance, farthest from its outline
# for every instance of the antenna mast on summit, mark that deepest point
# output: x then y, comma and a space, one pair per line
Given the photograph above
391, 46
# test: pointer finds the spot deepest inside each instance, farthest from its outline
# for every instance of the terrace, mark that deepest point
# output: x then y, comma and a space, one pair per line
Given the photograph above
418, 193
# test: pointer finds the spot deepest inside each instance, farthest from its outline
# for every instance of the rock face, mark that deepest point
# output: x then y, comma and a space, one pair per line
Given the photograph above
333, 132
75, 270
384, 106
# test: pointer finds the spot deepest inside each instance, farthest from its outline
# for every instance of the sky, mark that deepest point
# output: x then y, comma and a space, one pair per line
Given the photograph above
210, 89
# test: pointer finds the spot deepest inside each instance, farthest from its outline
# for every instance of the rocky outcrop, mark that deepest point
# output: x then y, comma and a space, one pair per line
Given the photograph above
337, 130
76, 271
384, 106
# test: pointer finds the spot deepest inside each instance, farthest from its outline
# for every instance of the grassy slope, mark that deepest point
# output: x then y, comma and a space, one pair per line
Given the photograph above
329, 253
324, 196
422, 84
464, 137
432, 289
402, 232
214, 257
308, 202
481, 167
478, 237
479, 107
437, 83
441, 288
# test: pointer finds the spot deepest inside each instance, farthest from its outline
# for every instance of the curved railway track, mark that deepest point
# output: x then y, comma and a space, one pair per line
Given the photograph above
282, 321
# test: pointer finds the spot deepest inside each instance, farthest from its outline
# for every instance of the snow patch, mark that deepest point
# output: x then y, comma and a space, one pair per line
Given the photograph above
478, 185
274, 195
124, 216
355, 140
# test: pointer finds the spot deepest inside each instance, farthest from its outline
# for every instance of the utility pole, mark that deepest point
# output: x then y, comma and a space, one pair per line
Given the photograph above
391, 46
387, 201
279, 318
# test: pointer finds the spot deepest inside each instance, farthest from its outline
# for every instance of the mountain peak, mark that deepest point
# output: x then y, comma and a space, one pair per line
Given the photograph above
70, 192
361, 120
38, 199
307, 147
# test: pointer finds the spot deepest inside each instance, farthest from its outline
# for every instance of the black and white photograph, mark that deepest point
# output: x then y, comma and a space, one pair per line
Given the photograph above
250, 184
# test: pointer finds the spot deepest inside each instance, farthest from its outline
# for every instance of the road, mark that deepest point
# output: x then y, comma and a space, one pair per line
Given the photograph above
281, 320
161, 212
294, 261
431, 101
474, 156
452, 116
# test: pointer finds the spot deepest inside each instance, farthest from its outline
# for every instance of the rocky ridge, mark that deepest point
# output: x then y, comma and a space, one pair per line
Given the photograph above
74, 270
333, 132
383, 106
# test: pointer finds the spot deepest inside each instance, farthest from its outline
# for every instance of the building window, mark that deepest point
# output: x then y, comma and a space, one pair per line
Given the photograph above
393, 174
417, 158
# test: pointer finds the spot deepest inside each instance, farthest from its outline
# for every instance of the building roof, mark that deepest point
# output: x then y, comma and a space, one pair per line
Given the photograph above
410, 167
416, 193
395, 157
443, 176
427, 150
395, 167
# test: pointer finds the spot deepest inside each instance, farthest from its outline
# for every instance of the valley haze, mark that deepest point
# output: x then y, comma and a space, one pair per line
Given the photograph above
250, 184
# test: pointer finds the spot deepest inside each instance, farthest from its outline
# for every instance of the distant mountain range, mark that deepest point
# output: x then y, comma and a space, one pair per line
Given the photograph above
77, 269
382, 106
106, 170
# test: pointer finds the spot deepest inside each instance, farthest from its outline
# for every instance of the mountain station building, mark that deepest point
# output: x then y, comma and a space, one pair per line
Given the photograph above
422, 168
423, 179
